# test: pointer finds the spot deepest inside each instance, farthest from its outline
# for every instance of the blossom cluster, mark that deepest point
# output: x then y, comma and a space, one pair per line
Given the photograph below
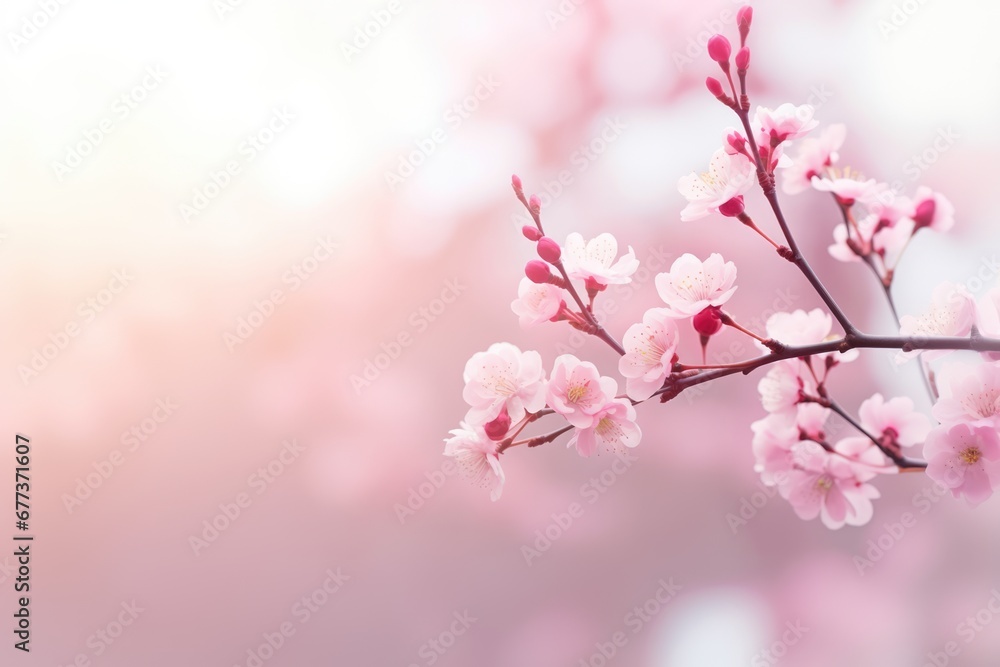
832, 479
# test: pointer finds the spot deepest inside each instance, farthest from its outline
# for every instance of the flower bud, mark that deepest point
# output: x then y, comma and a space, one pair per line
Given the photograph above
743, 59
515, 180
531, 232
737, 142
714, 86
732, 208
534, 203
549, 250
719, 49
924, 215
744, 17
538, 272
707, 322
497, 429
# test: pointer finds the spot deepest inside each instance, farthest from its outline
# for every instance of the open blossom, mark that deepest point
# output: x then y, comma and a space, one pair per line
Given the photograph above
691, 285
614, 427
988, 318
577, 391
815, 154
802, 328
832, 488
503, 377
952, 313
782, 386
932, 209
895, 420
785, 123
870, 235
965, 459
848, 188
476, 457
536, 303
970, 395
728, 177
594, 260
649, 353
778, 447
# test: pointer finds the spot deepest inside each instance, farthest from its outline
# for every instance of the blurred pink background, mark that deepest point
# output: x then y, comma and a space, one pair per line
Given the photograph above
224, 331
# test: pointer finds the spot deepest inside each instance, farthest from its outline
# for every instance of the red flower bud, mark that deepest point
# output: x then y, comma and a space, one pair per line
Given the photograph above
538, 272
707, 322
531, 232
714, 86
743, 59
733, 207
744, 17
497, 429
719, 49
549, 250
924, 214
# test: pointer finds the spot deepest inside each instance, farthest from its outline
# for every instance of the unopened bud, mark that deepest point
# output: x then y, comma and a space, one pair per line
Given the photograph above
549, 250
732, 208
719, 49
515, 181
744, 17
531, 232
535, 204
714, 86
538, 272
743, 59
924, 215
497, 429
707, 322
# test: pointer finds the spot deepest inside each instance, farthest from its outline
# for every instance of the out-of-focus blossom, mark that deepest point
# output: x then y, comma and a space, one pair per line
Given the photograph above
952, 313
815, 154
649, 353
614, 428
830, 487
781, 386
577, 391
476, 458
802, 328
536, 303
728, 178
691, 285
785, 123
970, 395
965, 459
503, 377
594, 260
848, 188
988, 318
933, 210
895, 420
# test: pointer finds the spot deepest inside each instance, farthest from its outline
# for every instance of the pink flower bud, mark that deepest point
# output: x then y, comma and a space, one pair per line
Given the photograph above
719, 49
733, 207
924, 215
714, 86
743, 59
549, 250
515, 180
531, 232
744, 17
738, 142
707, 322
497, 429
538, 272
535, 203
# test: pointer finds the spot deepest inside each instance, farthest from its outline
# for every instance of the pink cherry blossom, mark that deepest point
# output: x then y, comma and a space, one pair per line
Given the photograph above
785, 123
965, 459
476, 457
691, 285
815, 154
895, 420
988, 318
728, 177
595, 260
614, 427
870, 234
889, 242
970, 395
778, 447
867, 460
782, 386
952, 313
536, 303
503, 377
577, 391
802, 328
861, 236
649, 353
932, 209
830, 488
847, 188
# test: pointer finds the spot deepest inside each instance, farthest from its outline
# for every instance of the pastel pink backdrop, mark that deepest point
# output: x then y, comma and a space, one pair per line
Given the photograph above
368, 448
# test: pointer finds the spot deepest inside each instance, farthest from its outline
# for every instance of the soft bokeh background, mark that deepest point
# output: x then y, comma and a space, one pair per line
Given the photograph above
900, 74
